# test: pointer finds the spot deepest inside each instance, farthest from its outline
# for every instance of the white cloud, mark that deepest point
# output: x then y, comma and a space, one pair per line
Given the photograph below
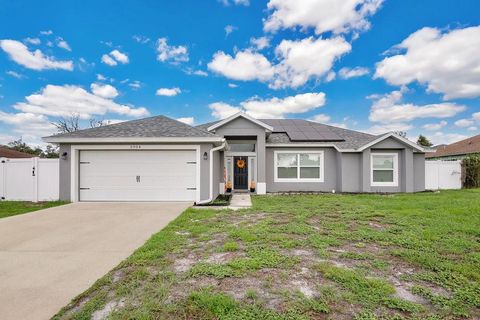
109, 60
187, 120
463, 123
35, 60
34, 41
305, 59
472, 128
114, 57
347, 73
62, 101
168, 92
446, 138
232, 85
246, 65
172, 54
119, 56
260, 43
299, 61
229, 29
200, 73
191, 71
330, 76
388, 109
135, 85
271, 108
15, 74
221, 110
104, 90
321, 118
101, 77
435, 126
476, 116
389, 127
46, 32
28, 124
446, 63
322, 15
63, 44
235, 2
141, 39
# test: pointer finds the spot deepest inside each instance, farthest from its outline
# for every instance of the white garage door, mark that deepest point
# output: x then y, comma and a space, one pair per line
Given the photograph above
167, 175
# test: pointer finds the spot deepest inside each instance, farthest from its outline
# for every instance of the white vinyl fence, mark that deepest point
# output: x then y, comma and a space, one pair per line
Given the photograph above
32, 179
443, 175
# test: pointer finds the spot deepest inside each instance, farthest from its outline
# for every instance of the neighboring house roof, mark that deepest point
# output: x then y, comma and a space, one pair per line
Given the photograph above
467, 146
153, 127
9, 153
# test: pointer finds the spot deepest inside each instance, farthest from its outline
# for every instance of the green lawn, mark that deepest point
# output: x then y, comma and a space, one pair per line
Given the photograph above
304, 257
12, 208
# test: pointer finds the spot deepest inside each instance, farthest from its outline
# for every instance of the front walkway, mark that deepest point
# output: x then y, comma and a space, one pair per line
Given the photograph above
48, 257
240, 201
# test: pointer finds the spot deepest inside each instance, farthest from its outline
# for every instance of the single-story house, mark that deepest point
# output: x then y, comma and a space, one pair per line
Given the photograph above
161, 159
457, 150
13, 154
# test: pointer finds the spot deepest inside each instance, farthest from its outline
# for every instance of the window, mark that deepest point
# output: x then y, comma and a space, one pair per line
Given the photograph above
384, 169
298, 166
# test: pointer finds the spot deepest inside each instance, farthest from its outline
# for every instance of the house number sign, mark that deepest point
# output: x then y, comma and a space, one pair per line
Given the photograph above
135, 146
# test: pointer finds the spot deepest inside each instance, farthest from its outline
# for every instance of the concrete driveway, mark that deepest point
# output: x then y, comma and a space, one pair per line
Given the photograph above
48, 257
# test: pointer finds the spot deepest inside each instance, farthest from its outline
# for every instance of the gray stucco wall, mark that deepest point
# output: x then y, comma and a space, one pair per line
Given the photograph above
351, 172
418, 172
244, 127
330, 173
64, 167
216, 173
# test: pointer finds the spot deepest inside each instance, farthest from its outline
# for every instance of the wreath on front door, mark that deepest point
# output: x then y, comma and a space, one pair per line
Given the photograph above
240, 163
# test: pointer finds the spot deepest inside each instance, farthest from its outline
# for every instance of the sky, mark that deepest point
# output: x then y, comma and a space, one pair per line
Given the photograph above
369, 65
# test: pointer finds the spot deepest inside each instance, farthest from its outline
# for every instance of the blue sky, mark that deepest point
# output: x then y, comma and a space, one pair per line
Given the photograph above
345, 64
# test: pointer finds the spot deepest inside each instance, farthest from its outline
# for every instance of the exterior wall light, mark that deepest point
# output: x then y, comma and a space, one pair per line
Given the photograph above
205, 156
64, 155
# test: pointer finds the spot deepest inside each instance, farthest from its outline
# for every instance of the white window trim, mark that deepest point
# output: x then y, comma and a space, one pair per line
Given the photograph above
298, 179
395, 170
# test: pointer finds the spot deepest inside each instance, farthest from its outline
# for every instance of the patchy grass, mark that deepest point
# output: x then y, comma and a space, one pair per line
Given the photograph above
12, 208
403, 256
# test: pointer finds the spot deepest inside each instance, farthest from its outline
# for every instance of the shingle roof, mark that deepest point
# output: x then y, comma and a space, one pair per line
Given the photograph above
349, 139
158, 126
9, 153
467, 146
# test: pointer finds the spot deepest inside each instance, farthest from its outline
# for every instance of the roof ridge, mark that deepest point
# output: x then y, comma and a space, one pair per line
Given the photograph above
130, 122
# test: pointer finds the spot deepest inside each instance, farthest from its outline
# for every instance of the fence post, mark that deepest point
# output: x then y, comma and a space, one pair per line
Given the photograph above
3, 165
35, 170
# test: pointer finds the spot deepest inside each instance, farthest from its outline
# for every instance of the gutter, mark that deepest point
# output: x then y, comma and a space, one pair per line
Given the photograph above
210, 198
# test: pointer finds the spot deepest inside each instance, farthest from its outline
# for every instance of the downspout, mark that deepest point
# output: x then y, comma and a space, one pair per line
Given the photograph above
210, 198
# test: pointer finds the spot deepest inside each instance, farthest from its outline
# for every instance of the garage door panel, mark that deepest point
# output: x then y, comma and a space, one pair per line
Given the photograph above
163, 175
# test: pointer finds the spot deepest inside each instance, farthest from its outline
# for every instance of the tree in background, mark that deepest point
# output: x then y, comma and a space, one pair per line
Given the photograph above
20, 145
69, 124
423, 141
72, 123
50, 152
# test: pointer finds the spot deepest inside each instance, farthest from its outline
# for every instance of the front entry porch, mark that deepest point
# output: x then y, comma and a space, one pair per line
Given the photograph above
240, 172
